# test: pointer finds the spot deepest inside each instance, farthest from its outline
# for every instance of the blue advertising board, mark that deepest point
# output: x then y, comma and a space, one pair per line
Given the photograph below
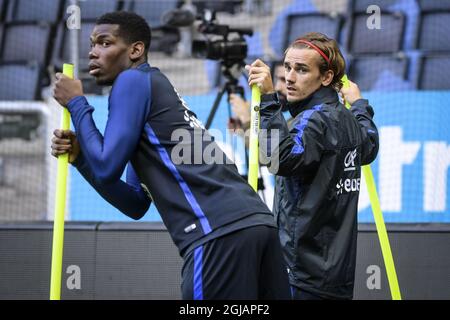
411, 170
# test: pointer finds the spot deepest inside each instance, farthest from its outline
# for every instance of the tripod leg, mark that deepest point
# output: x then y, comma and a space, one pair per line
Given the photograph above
214, 107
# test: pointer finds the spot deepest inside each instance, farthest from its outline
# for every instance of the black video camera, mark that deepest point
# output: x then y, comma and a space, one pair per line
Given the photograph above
223, 46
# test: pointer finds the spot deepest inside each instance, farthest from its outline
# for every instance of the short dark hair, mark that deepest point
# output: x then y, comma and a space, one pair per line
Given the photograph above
132, 27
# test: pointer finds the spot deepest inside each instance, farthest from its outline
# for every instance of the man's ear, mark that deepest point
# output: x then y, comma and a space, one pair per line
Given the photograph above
327, 78
137, 50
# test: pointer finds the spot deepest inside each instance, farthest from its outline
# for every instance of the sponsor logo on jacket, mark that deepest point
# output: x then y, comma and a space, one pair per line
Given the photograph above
347, 185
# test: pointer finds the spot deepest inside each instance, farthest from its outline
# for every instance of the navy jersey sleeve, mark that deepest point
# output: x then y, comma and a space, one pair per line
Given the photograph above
128, 197
129, 105
103, 157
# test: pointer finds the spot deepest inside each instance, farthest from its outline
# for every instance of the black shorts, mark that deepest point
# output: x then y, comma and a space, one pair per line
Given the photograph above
245, 264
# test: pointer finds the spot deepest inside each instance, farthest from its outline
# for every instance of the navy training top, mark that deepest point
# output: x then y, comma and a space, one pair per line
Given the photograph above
172, 161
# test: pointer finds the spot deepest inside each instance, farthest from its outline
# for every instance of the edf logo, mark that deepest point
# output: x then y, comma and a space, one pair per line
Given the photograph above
348, 184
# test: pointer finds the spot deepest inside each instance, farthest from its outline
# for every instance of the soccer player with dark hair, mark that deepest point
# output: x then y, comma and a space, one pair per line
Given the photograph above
224, 232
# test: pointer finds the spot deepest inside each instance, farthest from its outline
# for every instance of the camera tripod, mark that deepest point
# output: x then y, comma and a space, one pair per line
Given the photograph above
231, 72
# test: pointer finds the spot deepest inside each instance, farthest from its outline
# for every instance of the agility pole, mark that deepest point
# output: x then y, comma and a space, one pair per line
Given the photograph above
379, 222
253, 165
60, 206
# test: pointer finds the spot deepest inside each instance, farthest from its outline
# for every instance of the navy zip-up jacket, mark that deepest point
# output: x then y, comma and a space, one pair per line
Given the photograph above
151, 129
318, 166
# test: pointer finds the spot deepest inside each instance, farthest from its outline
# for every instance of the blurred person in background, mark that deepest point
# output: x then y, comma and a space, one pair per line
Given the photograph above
241, 107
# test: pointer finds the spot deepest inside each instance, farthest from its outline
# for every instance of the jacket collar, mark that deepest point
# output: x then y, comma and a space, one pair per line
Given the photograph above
143, 66
321, 96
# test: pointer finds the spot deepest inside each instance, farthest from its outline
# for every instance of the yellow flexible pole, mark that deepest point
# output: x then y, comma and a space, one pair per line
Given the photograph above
60, 206
380, 225
253, 143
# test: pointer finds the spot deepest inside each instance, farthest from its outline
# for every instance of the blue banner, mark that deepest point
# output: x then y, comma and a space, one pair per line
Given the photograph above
411, 170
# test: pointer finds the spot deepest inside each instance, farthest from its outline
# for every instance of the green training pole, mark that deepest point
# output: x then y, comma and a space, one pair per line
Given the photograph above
60, 206
254, 145
379, 222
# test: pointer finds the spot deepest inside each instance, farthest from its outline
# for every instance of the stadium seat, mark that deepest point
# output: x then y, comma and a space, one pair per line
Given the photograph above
433, 32
61, 54
380, 72
153, 10
61, 50
35, 10
26, 42
433, 72
408, 8
298, 24
428, 5
19, 81
388, 39
278, 30
164, 38
92, 9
